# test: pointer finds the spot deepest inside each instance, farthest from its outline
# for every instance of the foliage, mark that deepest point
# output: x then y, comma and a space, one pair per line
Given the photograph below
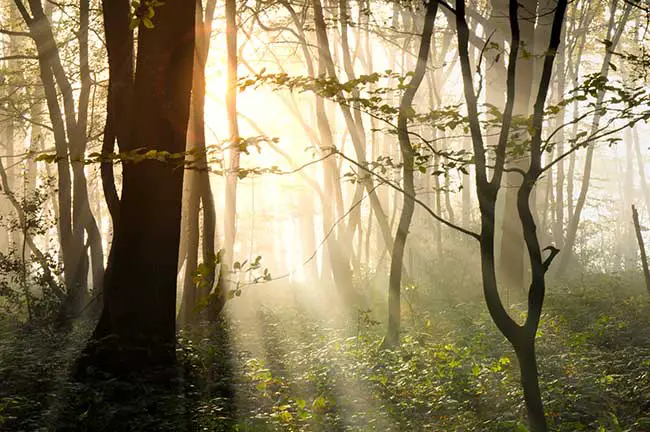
291, 371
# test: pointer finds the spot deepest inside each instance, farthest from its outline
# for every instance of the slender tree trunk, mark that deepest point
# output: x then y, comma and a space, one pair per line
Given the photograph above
196, 179
511, 257
338, 257
644, 258
75, 219
522, 337
395, 277
230, 215
558, 219
614, 33
641, 168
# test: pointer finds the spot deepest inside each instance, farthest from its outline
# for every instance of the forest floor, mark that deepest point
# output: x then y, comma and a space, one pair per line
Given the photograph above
285, 367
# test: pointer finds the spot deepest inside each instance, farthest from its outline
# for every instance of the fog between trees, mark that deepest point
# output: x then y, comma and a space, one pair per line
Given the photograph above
324, 215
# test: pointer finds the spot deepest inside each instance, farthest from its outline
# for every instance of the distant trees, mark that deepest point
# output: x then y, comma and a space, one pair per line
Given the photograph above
69, 112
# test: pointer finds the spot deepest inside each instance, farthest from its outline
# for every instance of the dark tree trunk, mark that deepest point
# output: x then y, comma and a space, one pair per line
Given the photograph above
530, 383
140, 282
397, 259
522, 337
644, 258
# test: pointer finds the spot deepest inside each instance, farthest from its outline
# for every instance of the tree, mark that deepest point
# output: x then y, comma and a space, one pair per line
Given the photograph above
197, 188
522, 337
137, 328
234, 148
395, 278
69, 119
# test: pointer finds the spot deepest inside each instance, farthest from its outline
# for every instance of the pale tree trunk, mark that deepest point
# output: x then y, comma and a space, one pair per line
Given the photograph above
641, 168
10, 137
614, 33
558, 217
197, 185
69, 127
338, 257
354, 126
511, 257
230, 214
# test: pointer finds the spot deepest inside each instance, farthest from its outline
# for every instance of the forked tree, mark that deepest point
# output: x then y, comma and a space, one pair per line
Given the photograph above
522, 337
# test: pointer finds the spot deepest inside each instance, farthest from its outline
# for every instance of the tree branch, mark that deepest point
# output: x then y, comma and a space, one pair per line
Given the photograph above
418, 201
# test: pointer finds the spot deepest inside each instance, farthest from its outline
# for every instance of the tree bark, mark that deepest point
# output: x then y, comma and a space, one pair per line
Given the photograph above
197, 187
230, 215
140, 281
522, 337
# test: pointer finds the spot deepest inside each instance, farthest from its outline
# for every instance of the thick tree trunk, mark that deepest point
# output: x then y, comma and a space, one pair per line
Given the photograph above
140, 282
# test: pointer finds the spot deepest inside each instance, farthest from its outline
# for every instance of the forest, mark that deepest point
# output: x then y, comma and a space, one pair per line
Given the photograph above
324, 215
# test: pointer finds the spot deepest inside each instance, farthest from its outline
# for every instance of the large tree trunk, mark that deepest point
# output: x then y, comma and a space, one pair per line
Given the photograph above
140, 281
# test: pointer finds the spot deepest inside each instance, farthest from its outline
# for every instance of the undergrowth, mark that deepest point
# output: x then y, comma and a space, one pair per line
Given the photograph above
284, 369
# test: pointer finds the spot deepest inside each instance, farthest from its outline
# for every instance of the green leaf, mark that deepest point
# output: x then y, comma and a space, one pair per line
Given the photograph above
135, 22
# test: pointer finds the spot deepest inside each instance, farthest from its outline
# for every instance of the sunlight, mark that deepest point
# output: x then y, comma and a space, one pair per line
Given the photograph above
432, 228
